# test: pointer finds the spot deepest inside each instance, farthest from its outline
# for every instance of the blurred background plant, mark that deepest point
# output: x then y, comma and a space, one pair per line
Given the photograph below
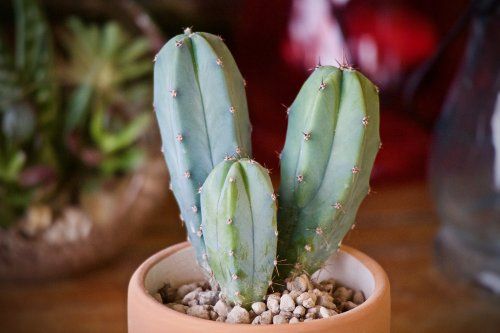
74, 128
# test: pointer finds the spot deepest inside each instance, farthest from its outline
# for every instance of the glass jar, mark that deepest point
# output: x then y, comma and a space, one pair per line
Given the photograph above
465, 160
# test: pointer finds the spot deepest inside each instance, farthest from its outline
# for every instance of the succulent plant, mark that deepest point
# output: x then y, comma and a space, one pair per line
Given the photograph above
201, 108
331, 144
45, 138
238, 208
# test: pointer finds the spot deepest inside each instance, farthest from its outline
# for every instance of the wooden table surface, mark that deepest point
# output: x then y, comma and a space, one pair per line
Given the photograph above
396, 226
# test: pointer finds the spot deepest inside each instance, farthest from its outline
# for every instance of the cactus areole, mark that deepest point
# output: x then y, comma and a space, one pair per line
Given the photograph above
331, 144
239, 225
201, 108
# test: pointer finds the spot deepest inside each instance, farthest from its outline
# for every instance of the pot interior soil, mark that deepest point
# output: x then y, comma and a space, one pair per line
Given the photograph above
324, 295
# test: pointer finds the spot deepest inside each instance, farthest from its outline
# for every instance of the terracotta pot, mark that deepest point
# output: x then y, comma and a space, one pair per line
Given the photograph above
176, 265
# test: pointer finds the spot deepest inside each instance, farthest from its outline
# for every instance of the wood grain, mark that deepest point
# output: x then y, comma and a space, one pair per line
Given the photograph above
396, 226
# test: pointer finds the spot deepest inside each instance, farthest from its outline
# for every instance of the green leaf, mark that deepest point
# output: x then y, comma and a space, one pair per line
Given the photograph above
112, 142
124, 162
78, 106
34, 60
10, 88
10, 169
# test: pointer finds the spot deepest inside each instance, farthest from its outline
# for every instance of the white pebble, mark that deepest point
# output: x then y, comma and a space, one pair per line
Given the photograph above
157, 297
299, 311
192, 295
300, 283
286, 314
307, 300
198, 311
279, 320
273, 304
358, 297
327, 301
222, 308
287, 303
346, 306
294, 321
238, 315
207, 297
343, 294
178, 307
258, 307
186, 289
326, 313
266, 317
256, 320
294, 294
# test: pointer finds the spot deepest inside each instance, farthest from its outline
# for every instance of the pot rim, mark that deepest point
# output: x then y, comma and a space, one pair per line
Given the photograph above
381, 286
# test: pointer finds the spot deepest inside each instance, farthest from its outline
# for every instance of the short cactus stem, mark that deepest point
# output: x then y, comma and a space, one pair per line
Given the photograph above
238, 213
342, 106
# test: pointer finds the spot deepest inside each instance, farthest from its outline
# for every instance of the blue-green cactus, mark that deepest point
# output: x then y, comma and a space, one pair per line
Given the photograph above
331, 144
201, 108
238, 207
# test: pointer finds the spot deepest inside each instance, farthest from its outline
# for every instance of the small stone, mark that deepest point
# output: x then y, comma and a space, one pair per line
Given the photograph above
208, 297
221, 319
300, 283
294, 294
178, 307
286, 314
238, 315
294, 321
186, 289
258, 307
314, 310
343, 294
198, 311
307, 300
273, 303
287, 303
317, 292
358, 297
222, 308
346, 306
326, 300
191, 296
310, 315
279, 320
256, 320
266, 317
157, 296
299, 311
213, 315
193, 302
327, 284
326, 313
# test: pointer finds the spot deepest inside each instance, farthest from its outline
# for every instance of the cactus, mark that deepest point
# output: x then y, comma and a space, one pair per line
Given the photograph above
331, 143
201, 108
238, 207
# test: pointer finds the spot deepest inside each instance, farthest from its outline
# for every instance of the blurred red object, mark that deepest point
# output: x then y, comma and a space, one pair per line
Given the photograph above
384, 42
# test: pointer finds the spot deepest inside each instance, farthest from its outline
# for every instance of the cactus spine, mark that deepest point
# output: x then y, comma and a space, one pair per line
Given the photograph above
331, 144
201, 108
238, 207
